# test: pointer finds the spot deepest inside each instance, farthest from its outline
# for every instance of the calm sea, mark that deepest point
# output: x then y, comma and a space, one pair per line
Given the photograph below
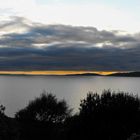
16, 91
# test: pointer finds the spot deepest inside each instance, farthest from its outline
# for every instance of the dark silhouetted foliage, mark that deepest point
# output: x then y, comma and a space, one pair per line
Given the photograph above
2, 109
43, 117
45, 108
110, 116
8, 126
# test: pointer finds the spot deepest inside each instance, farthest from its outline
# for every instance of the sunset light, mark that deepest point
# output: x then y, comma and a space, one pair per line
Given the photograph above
55, 72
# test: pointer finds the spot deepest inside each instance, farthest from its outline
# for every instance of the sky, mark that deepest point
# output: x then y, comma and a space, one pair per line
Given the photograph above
100, 35
103, 14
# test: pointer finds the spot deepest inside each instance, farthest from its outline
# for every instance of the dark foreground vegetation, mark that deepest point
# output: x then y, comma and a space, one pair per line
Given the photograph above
110, 116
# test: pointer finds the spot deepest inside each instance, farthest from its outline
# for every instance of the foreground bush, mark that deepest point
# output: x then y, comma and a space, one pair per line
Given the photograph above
45, 108
110, 116
42, 118
8, 126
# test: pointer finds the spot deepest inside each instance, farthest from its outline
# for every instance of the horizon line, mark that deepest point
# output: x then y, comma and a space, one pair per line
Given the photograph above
57, 72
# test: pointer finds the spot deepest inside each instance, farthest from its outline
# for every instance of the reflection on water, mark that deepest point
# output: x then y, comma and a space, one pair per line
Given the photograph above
16, 91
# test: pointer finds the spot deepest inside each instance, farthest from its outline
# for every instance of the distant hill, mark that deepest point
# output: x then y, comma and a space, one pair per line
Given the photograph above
84, 74
126, 74
119, 74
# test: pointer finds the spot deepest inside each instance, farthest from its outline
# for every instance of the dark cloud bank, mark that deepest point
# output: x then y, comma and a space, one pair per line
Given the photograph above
63, 47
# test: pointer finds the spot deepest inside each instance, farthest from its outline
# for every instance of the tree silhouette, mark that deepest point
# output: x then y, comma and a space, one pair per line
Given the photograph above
2, 109
45, 108
112, 104
110, 115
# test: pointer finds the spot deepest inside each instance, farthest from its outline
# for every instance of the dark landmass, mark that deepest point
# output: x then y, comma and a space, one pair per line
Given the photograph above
84, 74
109, 116
126, 74
119, 74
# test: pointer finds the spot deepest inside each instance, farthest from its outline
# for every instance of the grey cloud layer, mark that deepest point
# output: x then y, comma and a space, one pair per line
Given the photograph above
64, 47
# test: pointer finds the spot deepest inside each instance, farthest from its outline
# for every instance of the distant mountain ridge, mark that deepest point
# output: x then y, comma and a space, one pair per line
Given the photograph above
84, 74
117, 74
126, 74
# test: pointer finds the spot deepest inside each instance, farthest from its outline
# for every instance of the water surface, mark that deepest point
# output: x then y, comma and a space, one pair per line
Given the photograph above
16, 91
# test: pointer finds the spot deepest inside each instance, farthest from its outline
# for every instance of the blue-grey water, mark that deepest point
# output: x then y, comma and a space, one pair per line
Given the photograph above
16, 91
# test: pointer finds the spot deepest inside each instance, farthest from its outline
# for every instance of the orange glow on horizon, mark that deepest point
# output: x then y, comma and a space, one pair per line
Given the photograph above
55, 72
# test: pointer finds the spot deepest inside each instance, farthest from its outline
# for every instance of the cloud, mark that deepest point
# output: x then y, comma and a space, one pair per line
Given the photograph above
64, 47
93, 13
